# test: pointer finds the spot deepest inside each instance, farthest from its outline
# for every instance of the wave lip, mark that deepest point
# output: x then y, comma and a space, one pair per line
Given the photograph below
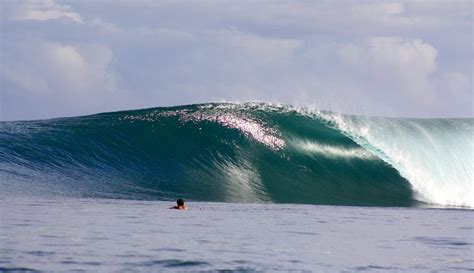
250, 152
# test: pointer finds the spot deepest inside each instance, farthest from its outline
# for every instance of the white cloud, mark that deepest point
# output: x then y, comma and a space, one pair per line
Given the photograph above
375, 75
403, 53
39, 10
409, 61
386, 58
52, 68
73, 77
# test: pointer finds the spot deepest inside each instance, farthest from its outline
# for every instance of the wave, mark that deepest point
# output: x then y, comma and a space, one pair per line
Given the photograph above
250, 152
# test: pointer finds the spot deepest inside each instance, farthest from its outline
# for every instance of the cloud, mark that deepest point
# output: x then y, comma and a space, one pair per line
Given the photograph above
77, 76
402, 66
53, 68
397, 58
408, 62
39, 10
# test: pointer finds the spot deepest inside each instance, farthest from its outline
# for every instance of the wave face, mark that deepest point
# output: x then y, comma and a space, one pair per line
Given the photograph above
242, 153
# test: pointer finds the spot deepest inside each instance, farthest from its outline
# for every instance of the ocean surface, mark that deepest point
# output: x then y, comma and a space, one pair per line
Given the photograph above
271, 188
105, 235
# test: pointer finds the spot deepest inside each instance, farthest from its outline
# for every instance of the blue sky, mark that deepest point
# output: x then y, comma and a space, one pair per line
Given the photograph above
391, 58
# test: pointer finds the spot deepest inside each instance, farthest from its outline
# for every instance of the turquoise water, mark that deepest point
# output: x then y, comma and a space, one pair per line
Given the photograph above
105, 235
242, 153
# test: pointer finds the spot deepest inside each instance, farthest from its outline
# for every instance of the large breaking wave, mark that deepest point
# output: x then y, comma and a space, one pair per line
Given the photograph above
242, 153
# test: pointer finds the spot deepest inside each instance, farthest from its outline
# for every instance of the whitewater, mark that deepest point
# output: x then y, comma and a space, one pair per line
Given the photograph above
434, 155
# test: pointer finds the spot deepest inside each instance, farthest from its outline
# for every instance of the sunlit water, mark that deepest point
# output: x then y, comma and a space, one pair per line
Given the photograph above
143, 236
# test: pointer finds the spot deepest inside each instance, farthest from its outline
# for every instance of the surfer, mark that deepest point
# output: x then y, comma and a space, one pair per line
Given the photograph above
180, 205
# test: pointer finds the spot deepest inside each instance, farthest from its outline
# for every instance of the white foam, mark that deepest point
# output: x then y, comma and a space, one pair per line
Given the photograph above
435, 156
311, 147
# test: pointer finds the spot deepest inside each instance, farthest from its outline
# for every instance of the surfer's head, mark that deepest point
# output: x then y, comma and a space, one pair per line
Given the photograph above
180, 202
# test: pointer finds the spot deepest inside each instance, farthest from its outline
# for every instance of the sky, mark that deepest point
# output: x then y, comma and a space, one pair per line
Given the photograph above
385, 58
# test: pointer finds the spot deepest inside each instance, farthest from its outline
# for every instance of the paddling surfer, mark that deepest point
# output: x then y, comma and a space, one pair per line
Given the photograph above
180, 205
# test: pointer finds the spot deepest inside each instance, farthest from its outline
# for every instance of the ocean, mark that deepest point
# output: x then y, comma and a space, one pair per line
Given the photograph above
270, 188
109, 235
